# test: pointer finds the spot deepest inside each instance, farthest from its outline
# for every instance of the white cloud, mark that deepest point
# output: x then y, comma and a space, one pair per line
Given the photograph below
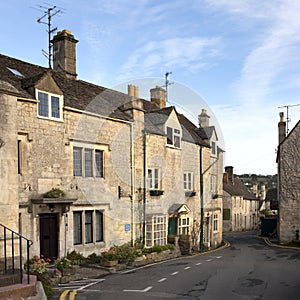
180, 52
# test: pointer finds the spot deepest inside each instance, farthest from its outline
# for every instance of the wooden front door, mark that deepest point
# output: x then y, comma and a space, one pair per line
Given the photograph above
49, 235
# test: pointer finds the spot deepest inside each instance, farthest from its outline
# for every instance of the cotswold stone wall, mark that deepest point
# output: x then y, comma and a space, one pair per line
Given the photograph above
47, 162
8, 162
289, 188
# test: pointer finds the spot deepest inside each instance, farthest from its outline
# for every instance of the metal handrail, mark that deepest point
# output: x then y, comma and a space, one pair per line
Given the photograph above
20, 238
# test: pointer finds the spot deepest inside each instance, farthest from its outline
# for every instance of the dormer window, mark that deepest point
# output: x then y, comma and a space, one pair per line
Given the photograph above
213, 148
49, 105
173, 137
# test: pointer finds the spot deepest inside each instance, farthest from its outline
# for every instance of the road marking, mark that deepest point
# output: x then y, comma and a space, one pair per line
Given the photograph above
175, 273
186, 268
90, 284
72, 295
140, 291
161, 280
219, 257
209, 259
64, 295
198, 264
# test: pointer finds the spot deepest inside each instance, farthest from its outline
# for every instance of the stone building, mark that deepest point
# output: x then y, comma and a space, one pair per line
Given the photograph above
84, 167
288, 161
240, 206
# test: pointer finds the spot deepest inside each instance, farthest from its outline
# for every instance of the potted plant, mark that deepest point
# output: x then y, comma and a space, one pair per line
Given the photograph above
109, 258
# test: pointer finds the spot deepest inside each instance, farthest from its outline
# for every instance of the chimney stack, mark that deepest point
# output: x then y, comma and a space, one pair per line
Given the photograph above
133, 91
158, 96
229, 172
64, 53
281, 128
203, 119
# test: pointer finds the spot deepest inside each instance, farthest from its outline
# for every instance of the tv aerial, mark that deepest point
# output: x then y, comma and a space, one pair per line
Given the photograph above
49, 13
167, 83
288, 119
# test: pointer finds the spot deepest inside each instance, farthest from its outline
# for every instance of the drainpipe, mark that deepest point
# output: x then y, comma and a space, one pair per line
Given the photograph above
201, 202
145, 186
132, 167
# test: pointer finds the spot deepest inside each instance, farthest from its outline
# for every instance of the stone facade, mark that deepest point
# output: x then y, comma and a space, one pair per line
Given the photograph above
240, 207
288, 159
127, 169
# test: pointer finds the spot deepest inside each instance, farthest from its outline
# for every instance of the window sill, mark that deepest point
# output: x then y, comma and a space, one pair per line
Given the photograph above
156, 192
190, 194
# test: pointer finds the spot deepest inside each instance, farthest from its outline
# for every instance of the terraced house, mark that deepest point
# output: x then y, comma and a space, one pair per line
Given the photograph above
84, 167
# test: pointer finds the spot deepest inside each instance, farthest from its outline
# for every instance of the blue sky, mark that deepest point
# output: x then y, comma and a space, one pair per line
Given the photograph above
238, 59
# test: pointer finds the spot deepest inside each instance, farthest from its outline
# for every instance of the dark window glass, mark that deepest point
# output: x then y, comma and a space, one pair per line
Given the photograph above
99, 226
77, 225
77, 161
88, 227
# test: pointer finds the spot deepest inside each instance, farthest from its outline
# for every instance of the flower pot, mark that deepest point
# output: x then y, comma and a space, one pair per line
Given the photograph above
108, 263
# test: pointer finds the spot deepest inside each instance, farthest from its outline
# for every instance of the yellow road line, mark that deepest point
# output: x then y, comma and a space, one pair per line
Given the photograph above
72, 295
64, 295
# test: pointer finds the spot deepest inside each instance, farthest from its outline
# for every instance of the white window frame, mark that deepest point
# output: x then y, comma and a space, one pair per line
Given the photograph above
188, 181
215, 222
50, 98
156, 230
184, 224
154, 181
213, 148
173, 137
84, 172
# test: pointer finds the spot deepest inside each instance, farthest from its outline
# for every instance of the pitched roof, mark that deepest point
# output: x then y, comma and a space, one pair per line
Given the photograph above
18, 76
237, 188
78, 94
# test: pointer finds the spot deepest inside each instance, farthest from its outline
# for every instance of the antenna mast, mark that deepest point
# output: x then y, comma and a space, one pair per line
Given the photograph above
167, 83
49, 13
287, 115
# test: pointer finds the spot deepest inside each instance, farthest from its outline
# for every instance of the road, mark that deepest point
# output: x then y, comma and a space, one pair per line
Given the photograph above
248, 269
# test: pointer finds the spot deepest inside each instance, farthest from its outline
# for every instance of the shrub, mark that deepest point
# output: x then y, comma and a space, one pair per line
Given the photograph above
54, 193
75, 257
38, 265
93, 258
63, 263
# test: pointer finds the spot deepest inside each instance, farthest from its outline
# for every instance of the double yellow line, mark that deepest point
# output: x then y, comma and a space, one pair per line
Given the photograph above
66, 292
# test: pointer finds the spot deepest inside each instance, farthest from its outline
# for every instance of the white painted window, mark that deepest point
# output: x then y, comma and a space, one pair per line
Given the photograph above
156, 231
188, 181
174, 137
183, 224
154, 178
215, 222
50, 105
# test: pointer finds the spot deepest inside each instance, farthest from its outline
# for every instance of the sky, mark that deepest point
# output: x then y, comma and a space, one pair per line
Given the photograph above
237, 59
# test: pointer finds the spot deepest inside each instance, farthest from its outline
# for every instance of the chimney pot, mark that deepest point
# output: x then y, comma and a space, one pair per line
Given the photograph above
158, 96
281, 128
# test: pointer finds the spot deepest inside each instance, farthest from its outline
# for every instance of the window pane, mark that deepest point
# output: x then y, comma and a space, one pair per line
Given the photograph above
88, 163
77, 161
43, 109
150, 183
88, 227
156, 180
99, 163
55, 111
169, 136
99, 226
77, 228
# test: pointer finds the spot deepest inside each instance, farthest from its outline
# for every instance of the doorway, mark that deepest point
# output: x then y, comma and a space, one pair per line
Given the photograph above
49, 235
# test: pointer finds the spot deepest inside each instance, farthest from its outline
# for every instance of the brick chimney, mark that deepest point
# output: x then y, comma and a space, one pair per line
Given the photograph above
229, 172
281, 128
64, 53
158, 96
203, 119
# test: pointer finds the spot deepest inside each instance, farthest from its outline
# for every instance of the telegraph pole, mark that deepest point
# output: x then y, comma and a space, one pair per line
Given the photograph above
49, 13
